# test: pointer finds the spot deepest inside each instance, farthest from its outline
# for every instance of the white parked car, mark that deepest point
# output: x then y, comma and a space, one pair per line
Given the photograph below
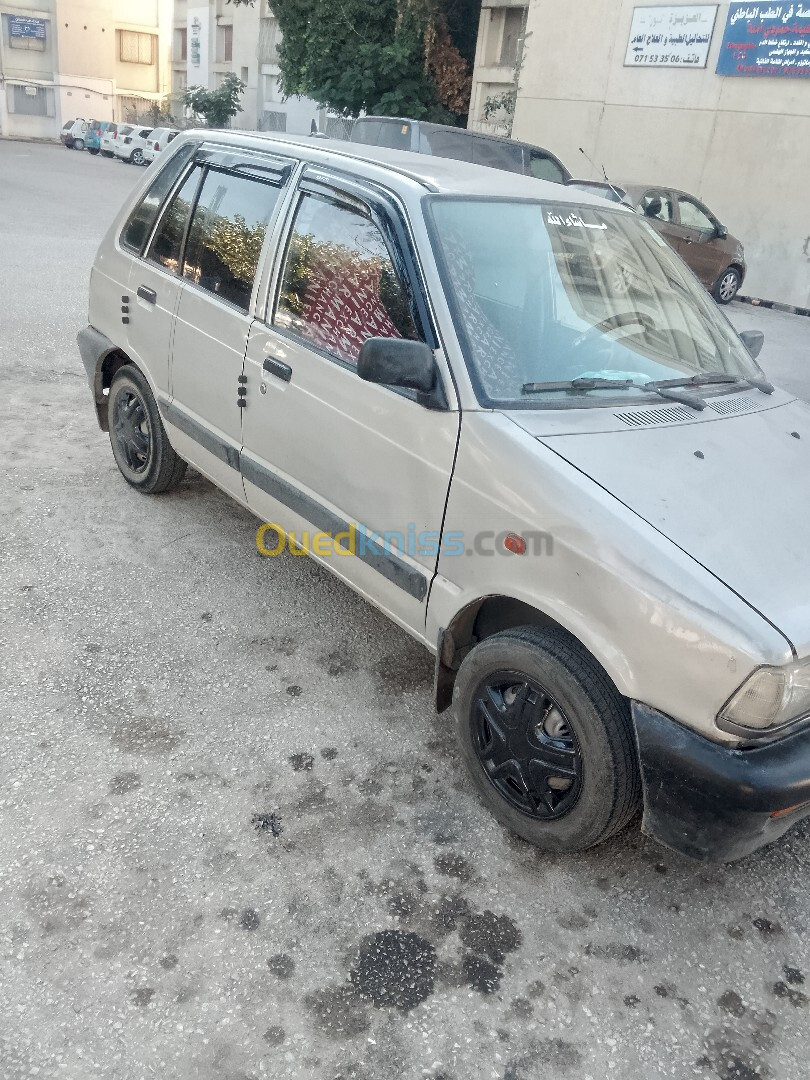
108, 139
131, 143
73, 133
158, 141
584, 498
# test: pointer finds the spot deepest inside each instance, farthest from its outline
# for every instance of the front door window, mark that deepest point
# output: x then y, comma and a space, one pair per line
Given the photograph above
340, 286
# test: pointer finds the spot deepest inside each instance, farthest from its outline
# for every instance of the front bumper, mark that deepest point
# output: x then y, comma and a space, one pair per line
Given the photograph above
714, 802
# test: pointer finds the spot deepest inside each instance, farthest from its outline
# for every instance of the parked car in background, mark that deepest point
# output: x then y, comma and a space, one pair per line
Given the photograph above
442, 140
95, 135
705, 245
108, 138
158, 141
131, 143
73, 133
261, 302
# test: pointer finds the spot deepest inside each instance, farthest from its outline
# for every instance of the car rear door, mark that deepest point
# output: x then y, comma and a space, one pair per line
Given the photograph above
235, 205
325, 451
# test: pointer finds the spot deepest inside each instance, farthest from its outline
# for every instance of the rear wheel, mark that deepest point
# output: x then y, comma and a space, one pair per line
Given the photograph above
728, 285
78, 144
93, 150
547, 739
137, 157
139, 442
107, 153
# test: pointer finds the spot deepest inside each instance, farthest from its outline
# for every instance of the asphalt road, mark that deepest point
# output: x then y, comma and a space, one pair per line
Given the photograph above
235, 839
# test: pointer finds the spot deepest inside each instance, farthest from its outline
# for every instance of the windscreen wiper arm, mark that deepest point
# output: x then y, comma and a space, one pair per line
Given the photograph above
710, 377
663, 390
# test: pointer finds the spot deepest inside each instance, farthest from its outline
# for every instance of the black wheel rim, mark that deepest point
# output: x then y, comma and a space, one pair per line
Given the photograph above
133, 434
526, 746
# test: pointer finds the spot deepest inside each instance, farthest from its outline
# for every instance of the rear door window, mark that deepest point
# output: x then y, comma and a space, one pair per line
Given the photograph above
446, 143
545, 167
167, 244
137, 229
340, 285
227, 234
658, 206
498, 155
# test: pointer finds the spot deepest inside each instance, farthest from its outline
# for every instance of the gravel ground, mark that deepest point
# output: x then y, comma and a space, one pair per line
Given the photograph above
236, 840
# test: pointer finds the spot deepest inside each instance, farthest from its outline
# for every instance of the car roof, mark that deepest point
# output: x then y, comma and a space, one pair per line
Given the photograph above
435, 174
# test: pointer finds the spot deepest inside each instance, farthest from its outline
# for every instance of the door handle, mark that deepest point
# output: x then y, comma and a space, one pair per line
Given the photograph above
278, 368
149, 295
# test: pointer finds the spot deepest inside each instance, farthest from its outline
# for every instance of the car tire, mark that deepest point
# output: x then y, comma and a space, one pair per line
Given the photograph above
92, 150
107, 153
78, 144
136, 157
140, 446
727, 285
547, 739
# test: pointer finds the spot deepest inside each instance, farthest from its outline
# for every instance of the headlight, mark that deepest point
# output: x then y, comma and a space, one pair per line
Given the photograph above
770, 697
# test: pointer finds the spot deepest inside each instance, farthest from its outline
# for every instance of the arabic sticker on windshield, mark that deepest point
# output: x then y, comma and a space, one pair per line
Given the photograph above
572, 221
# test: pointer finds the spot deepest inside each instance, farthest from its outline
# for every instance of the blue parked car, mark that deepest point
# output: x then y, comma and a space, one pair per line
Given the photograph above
95, 133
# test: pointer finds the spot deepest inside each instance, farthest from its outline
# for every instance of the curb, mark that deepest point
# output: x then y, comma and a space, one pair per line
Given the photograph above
774, 305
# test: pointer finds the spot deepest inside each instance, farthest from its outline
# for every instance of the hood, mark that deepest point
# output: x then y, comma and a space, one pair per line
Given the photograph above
732, 492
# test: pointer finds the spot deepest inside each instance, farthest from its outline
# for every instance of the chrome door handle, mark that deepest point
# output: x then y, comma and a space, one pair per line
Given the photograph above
278, 368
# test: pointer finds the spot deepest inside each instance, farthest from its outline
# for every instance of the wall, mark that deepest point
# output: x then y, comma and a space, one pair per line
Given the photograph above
742, 145
28, 67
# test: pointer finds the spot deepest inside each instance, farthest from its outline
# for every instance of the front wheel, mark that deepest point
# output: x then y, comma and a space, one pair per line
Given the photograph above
93, 151
728, 285
547, 739
137, 157
78, 144
139, 442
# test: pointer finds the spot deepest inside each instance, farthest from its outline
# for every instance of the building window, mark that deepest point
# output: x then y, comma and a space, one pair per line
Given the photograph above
31, 100
136, 48
512, 33
225, 50
181, 44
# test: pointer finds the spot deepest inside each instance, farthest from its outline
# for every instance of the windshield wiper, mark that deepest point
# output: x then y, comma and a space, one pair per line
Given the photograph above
705, 378
664, 390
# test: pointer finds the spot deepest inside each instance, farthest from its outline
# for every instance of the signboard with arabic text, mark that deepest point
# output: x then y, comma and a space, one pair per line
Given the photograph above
766, 39
20, 26
670, 36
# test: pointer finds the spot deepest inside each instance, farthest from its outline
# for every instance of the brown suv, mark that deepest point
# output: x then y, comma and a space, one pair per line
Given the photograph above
688, 226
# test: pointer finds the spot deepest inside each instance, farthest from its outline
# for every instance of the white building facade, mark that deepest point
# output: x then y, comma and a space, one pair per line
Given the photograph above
95, 59
214, 38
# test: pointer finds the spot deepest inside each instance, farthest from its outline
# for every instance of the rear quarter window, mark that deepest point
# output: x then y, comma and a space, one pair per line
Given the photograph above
367, 133
446, 143
139, 226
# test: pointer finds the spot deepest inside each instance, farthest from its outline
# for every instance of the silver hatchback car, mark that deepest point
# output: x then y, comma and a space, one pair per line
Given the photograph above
576, 487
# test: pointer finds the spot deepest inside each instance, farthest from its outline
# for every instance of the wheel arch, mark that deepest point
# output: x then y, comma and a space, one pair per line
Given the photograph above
476, 621
108, 364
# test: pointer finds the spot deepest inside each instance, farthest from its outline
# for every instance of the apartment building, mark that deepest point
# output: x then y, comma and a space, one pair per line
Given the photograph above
211, 39
100, 59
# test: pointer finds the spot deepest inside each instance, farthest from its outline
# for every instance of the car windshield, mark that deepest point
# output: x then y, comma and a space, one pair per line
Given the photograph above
546, 294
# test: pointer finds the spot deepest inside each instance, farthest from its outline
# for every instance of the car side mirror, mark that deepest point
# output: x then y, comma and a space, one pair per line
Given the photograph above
721, 232
399, 362
753, 340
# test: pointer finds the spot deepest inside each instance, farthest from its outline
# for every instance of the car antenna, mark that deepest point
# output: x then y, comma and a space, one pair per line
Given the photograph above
619, 196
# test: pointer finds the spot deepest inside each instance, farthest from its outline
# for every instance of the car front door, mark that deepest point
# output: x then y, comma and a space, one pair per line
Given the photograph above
658, 207
234, 207
324, 451
700, 245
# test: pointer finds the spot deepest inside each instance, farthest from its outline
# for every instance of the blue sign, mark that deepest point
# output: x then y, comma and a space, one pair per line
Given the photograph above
766, 39
20, 27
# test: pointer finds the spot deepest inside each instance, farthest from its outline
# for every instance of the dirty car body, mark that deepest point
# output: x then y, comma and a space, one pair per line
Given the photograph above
543, 450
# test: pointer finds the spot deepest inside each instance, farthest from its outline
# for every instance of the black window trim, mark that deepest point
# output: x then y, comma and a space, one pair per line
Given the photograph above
140, 253
386, 213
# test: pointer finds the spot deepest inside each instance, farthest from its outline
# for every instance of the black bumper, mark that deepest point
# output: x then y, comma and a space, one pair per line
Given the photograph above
95, 347
712, 802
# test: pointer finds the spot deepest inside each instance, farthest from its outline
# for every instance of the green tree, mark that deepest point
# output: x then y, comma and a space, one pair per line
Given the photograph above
216, 106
